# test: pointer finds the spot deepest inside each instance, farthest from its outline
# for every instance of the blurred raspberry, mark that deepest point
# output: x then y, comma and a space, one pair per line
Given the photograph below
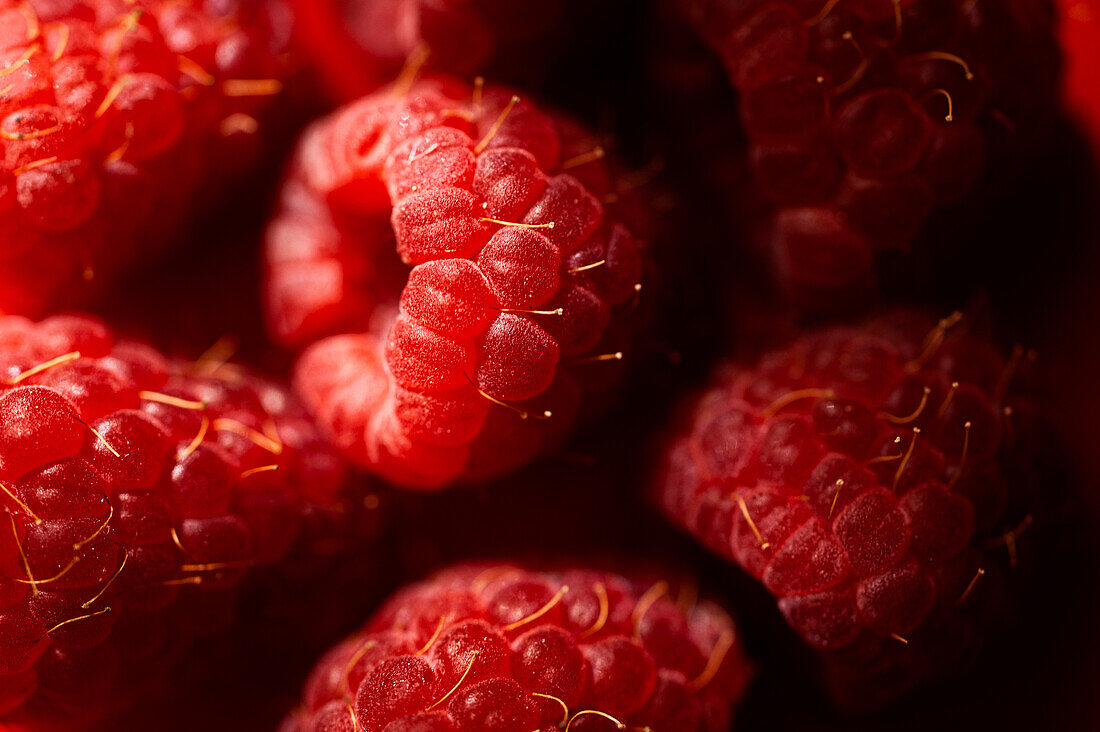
473, 360
116, 119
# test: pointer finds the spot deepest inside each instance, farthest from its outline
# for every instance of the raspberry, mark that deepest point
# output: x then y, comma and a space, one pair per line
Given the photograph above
856, 473
481, 647
519, 274
864, 118
111, 112
136, 492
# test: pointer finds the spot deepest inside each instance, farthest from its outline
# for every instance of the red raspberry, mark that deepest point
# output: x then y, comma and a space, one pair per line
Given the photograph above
111, 114
517, 272
856, 473
866, 116
513, 649
131, 486
1079, 29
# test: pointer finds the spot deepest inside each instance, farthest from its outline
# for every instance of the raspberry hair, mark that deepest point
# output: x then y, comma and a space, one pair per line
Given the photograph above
505, 647
355, 48
865, 477
864, 118
116, 118
135, 490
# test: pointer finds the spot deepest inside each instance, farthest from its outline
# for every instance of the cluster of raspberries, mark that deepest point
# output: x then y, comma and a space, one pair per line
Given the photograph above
863, 117
518, 269
511, 649
858, 473
453, 272
130, 484
113, 114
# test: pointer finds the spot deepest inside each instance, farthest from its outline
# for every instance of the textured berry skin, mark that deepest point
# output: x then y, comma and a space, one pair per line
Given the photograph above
136, 494
864, 117
859, 500
357, 47
435, 170
111, 113
483, 647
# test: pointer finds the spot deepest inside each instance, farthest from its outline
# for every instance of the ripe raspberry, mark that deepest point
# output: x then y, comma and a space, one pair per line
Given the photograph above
136, 495
513, 649
112, 112
856, 473
866, 116
517, 273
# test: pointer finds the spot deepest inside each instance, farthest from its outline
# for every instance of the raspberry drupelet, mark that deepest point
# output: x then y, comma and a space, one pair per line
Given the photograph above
858, 473
512, 649
111, 114
864, 117
135, 494
521, 278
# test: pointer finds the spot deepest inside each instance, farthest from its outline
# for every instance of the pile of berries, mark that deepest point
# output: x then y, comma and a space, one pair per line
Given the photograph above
858, 473
116, 116
500, 647
520, 273
457, 282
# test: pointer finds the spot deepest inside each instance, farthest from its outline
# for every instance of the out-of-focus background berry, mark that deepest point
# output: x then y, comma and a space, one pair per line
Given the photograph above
644, 80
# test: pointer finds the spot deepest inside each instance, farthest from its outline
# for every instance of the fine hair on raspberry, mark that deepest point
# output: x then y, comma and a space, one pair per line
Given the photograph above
477, 358
513, 649
135, 493
864, 476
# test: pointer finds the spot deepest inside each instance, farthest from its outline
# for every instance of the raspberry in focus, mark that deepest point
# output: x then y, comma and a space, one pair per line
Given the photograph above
117, 119
137, 493
1079, 24
356, 47
865, 118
